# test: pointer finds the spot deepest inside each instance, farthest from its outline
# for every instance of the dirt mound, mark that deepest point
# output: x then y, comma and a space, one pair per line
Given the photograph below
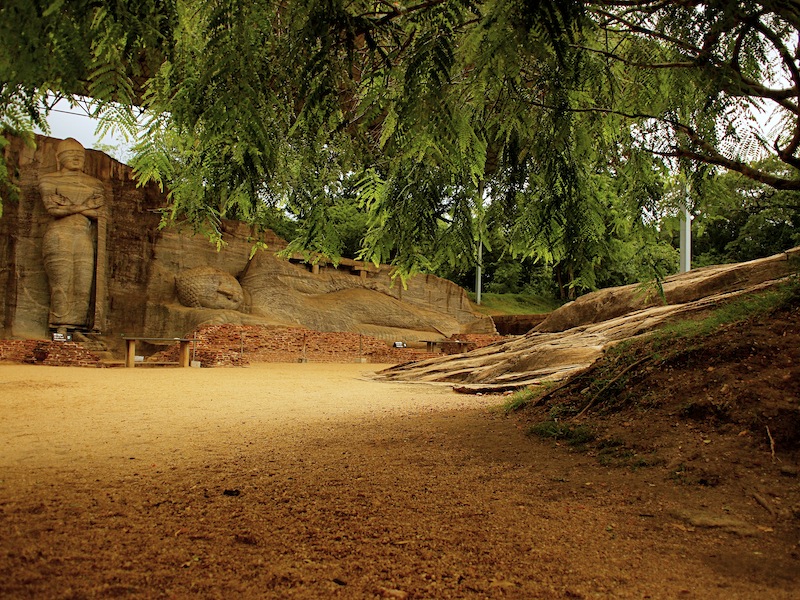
720, 411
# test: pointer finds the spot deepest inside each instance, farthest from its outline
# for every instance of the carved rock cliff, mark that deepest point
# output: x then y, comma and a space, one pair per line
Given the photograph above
142, 264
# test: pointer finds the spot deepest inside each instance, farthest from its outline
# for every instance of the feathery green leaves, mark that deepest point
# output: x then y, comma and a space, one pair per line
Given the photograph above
569, 113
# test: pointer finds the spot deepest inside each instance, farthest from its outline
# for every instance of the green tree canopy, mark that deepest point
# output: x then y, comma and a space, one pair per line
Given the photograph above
740, 219
569, 113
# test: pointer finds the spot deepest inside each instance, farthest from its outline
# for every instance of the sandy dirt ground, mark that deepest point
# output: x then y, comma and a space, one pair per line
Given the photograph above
313, 481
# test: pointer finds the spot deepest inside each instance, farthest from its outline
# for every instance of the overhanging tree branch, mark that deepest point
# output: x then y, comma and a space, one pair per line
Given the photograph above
707, 153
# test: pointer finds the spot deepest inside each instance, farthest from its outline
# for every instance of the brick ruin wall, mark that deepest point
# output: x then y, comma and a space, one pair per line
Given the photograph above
54, 354
239, 345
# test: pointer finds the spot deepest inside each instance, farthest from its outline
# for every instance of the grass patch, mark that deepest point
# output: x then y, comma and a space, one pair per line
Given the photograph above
520, 399
746, 308
513, 304
577, 435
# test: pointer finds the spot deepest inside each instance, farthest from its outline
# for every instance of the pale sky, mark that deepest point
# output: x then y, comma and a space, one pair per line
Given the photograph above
67, 122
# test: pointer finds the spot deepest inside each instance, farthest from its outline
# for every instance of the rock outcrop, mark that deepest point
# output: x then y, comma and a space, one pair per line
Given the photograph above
677, 289
575, 335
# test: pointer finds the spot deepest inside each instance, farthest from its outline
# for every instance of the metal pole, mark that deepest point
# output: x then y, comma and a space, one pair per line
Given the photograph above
686, 235
478, 274
479, 268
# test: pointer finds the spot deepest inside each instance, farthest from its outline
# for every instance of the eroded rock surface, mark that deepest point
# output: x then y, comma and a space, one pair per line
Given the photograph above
575, 335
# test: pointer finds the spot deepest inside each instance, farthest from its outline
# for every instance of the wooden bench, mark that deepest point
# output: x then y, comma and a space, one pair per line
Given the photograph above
431, 345
439, 345
130, 349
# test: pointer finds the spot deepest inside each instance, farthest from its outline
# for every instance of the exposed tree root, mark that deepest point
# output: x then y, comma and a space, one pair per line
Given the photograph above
609, 384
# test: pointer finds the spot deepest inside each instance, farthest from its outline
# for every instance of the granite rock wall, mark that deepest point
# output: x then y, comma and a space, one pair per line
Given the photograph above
142, 263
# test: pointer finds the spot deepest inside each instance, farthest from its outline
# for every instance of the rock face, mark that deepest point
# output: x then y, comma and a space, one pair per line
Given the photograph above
153, 282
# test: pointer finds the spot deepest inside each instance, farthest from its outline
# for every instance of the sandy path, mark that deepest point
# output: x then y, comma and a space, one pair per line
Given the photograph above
309, 481
61, 415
